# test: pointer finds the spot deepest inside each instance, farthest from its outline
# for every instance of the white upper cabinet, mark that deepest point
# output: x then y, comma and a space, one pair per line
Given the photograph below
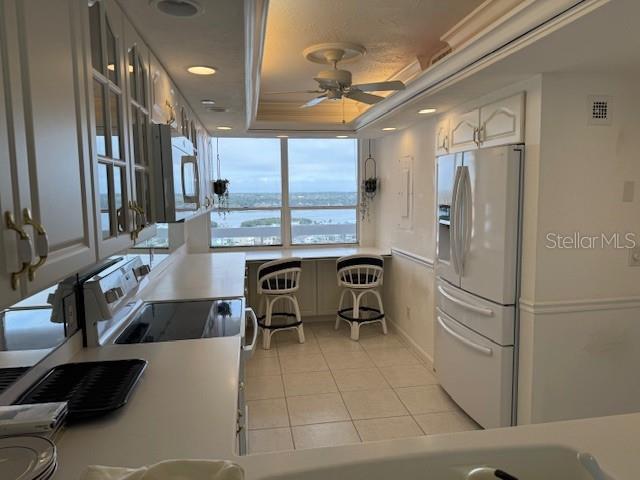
502, 122
16, 252
464, 131
491, 125
442, 136
45, 45
108, 77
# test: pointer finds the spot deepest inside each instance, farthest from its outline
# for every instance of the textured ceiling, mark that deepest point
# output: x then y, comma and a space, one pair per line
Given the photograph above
394, 32
214, 38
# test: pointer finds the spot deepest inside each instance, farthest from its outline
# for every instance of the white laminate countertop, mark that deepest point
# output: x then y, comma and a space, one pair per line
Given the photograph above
200, 276
319, 253
612, 440
184, 406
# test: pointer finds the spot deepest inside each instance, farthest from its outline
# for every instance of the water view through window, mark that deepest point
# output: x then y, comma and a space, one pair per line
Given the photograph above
321, 205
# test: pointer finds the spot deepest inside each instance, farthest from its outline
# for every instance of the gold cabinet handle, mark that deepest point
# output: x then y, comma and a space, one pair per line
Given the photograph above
25, 249
138, 225
134, 209
41, 243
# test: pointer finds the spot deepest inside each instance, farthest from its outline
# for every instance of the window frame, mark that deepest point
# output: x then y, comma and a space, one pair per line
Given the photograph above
286, 234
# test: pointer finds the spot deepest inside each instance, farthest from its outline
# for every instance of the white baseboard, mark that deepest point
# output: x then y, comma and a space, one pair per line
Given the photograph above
424, 356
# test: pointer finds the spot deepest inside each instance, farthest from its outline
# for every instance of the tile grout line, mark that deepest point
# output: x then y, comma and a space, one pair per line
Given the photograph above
342, 398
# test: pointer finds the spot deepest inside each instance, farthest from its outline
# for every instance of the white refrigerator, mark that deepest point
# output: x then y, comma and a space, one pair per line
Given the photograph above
477, 280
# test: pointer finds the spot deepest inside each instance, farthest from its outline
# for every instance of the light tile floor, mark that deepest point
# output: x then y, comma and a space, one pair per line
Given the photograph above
334, 391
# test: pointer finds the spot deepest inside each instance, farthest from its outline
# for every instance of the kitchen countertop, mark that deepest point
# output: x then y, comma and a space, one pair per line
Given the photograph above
612, 440
199, 276
319, 253
183, 407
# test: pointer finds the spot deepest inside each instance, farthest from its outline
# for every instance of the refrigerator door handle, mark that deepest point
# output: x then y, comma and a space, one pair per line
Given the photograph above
460, 220
464, 340
467, 219
487, 312
453, 229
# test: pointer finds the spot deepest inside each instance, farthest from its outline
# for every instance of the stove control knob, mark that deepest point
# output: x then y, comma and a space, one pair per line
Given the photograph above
142, 270
113, 294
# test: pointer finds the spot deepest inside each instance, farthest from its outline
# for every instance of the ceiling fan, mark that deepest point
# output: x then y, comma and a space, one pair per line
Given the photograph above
336, 84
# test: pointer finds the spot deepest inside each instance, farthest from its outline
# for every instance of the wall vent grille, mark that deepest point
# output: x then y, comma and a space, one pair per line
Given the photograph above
599, 110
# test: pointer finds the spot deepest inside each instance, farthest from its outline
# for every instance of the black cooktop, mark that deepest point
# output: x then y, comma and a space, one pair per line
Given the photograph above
171, 321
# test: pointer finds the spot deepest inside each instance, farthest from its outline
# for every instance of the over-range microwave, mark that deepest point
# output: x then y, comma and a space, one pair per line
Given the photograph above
177, 172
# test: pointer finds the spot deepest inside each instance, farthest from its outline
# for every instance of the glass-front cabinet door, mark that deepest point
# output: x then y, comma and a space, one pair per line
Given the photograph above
112, 179
139, 138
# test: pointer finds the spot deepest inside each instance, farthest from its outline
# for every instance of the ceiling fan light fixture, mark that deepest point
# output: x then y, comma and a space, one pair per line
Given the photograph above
201, 70
425, 111
178, 8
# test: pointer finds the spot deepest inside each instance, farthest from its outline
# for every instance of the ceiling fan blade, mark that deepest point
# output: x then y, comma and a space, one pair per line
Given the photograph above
314, 101
380, 86
293, 91
360, 96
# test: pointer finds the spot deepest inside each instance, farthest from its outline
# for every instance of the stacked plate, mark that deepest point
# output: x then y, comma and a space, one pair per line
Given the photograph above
27, 458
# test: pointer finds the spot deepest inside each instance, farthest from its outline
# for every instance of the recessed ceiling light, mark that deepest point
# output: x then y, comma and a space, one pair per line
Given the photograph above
201, 70
282, 136
207, 101
178, 8
424, 111
388, 129
215, 109
223, 127
342, 136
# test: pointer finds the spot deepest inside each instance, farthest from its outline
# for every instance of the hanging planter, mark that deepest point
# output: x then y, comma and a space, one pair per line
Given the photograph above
221, 186
370, 185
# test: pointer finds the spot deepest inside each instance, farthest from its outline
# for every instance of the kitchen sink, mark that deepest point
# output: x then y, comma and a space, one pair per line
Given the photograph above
523, 463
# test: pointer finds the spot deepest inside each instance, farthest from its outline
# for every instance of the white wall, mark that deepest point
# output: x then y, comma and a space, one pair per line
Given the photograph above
408, 284
579, 329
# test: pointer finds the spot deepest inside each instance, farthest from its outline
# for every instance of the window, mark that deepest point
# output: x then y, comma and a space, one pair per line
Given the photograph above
253, 168
287, 192
323, 190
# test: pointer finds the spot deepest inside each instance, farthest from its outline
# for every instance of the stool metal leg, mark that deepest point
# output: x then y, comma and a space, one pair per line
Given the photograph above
299, 328
267, 332
338, 319
383, 320
355, 326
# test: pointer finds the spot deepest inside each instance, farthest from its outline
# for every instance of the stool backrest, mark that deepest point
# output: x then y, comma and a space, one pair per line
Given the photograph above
279, 276
360, 271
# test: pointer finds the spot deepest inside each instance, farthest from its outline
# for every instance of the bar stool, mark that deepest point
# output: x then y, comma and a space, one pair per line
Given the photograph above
279, 280
360, 275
